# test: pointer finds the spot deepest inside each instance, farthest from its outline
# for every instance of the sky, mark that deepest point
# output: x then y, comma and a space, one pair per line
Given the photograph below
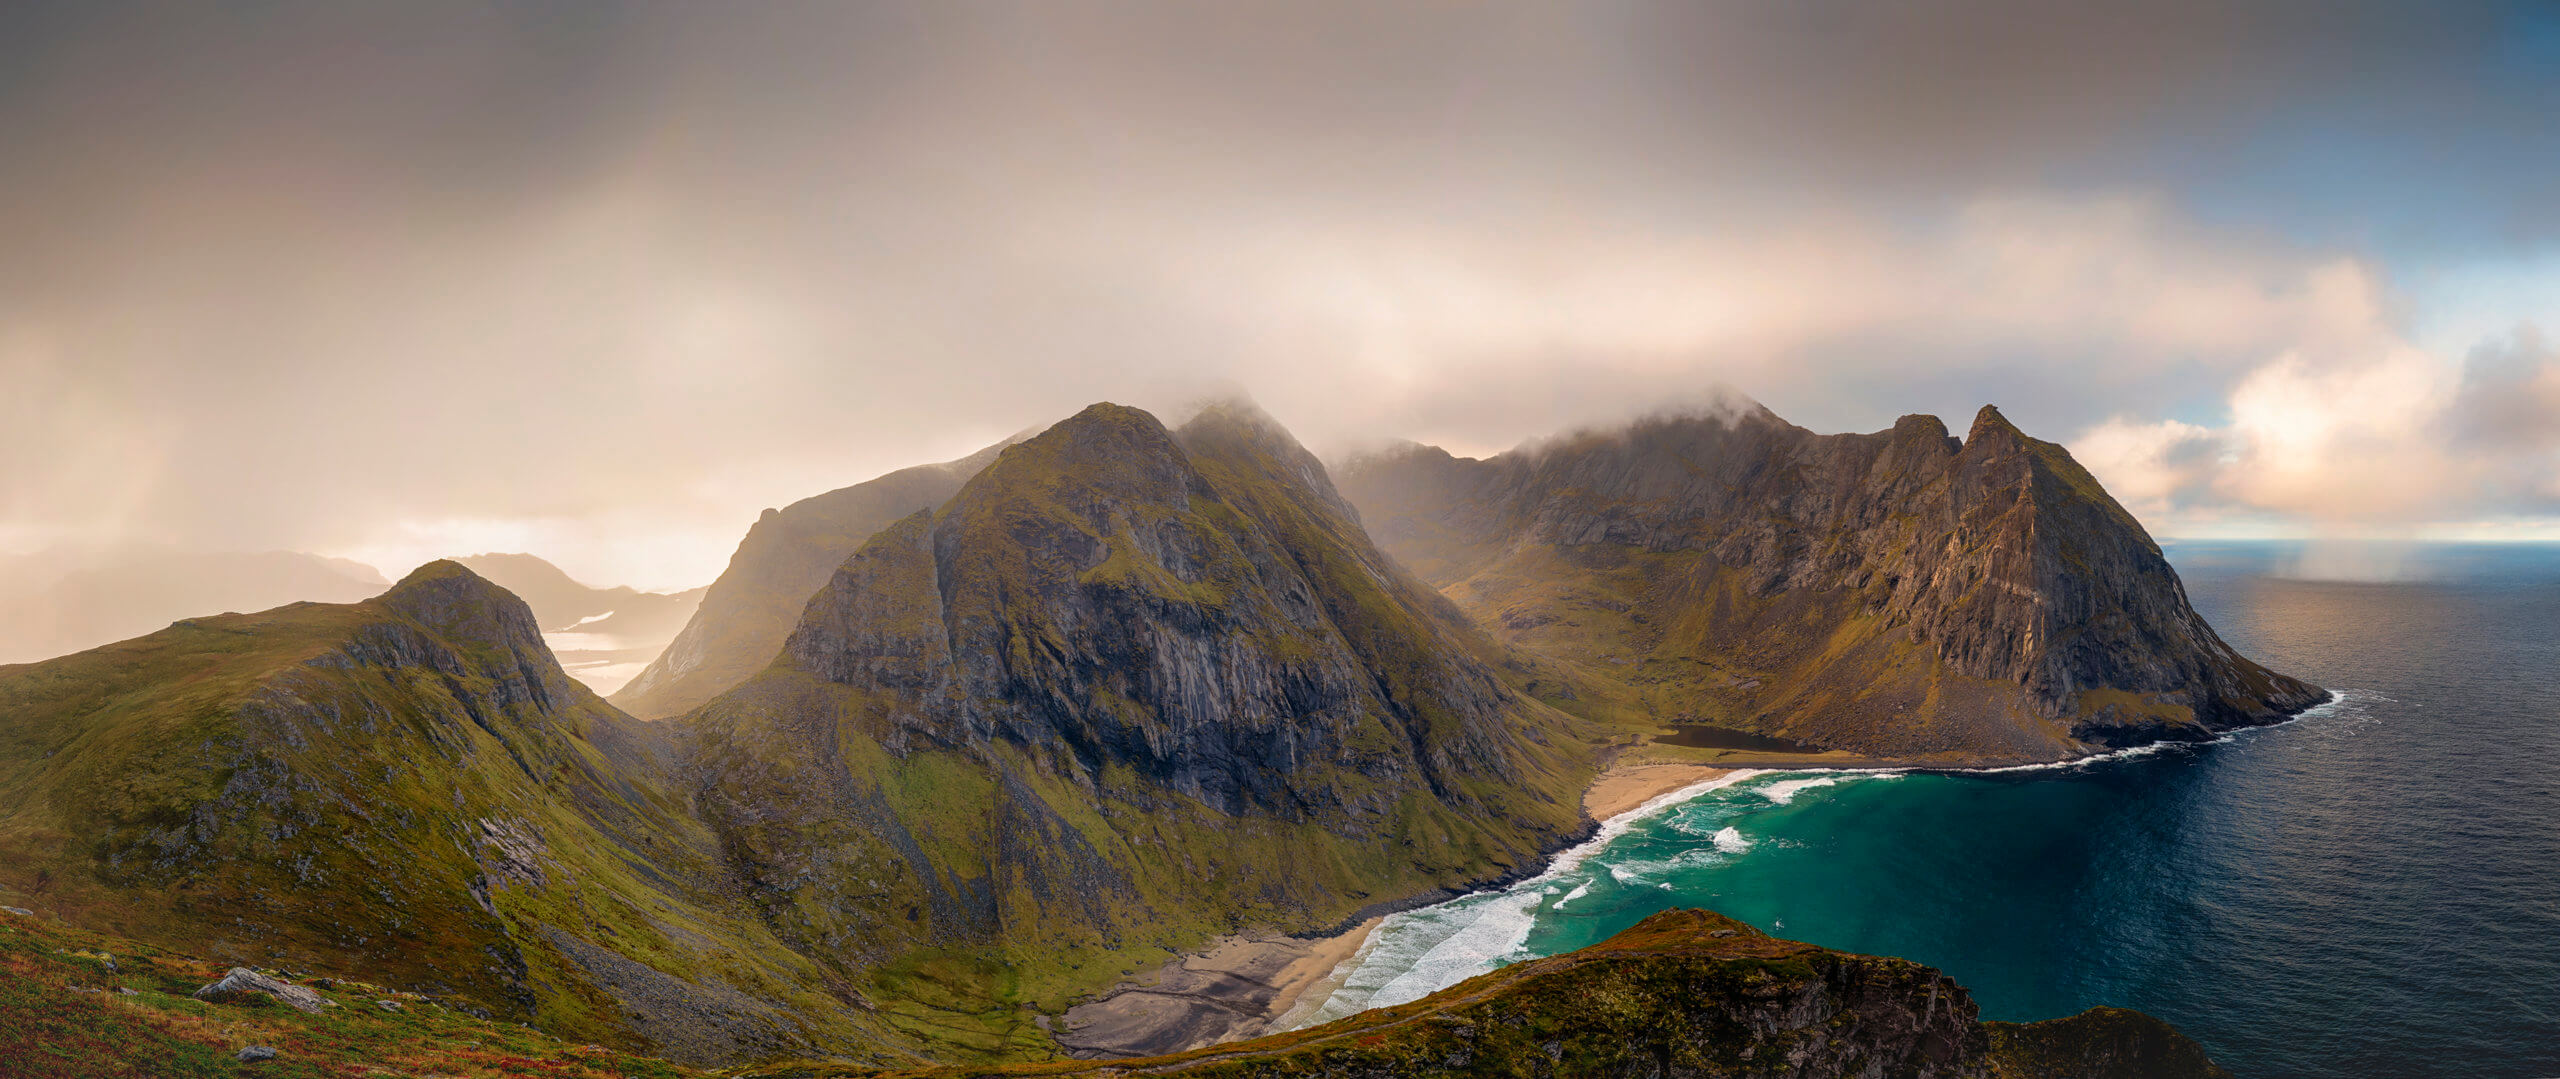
601, 281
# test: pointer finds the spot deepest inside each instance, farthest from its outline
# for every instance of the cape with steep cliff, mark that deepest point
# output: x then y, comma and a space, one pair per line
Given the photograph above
408, 787
1899, 594
1129, 689
785, 558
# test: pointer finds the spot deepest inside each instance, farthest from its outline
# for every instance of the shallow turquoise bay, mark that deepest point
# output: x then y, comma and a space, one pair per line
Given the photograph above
2373, 889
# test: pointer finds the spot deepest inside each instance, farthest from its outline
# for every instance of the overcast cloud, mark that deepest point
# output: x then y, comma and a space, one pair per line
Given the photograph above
601, 281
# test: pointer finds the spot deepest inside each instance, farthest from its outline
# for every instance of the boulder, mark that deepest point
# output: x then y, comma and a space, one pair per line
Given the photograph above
244, 980
256, 1053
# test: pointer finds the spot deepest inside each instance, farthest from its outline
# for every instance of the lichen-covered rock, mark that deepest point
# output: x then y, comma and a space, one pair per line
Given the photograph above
255, 1054
242, 981
1898, 593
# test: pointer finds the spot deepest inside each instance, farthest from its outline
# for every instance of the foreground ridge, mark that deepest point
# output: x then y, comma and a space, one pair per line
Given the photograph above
1684, 992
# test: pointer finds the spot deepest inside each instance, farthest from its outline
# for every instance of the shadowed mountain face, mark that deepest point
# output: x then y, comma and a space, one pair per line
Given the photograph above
786, 557
1897, 593
1129, 688
407, 789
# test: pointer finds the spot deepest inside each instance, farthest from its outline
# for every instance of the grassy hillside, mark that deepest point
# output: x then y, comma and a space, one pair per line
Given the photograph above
407, 789
1129, 689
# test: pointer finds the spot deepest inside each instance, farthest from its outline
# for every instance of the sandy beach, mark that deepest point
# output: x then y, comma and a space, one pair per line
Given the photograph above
1240, 986
1233, 990
1628, 786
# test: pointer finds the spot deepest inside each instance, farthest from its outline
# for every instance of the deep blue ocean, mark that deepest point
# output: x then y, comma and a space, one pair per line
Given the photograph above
2371, 890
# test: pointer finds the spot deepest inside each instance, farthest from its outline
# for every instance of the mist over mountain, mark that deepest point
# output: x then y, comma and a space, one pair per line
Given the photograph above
60, 602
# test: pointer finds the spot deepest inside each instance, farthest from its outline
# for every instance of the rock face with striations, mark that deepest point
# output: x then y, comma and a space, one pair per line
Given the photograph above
1129, 688
785, 558
1900, 592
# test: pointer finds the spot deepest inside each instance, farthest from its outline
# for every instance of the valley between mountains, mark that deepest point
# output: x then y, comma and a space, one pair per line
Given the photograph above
945, 755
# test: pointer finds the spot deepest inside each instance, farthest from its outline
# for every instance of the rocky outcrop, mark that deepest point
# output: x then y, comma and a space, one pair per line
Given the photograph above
2101, 1043
1902, 592
242, 981
1130, 687
785, 558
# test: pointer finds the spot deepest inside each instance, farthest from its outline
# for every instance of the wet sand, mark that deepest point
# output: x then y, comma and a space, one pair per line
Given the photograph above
1628, 786
1232, 991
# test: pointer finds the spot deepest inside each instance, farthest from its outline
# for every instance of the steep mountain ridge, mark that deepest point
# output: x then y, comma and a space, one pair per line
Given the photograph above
1128, 689
1899, 593
785, 557
410, 787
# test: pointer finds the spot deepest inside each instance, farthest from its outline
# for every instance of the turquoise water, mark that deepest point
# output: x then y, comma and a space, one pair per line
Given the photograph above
2373, 889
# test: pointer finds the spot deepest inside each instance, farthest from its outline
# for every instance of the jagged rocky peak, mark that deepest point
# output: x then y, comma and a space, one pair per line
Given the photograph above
1782, 581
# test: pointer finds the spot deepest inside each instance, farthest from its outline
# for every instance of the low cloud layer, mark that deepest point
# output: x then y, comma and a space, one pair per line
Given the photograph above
602, 282
2385, 441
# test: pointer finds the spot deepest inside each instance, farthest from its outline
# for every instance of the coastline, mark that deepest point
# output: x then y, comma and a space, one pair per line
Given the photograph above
1242, 987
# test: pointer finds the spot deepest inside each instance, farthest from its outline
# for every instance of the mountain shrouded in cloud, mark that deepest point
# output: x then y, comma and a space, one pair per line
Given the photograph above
266, 266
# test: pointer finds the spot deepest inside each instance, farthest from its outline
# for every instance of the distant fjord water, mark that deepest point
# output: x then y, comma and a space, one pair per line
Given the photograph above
2373, 889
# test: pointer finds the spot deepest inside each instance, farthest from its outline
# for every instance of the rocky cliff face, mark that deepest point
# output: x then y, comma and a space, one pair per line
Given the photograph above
409, 787
1693, 993
1901, 592
785, 558
1129, 688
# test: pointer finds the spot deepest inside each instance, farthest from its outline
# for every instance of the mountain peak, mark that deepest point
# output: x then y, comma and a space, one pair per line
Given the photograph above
445, 596
1106, 416
1989, 421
